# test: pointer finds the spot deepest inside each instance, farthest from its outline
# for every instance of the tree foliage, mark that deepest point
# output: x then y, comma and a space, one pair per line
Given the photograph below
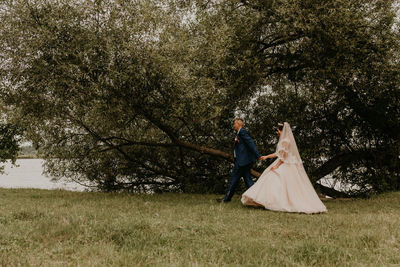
140, 95
9, 143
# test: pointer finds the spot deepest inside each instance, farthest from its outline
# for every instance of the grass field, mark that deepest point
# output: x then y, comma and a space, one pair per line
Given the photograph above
58, 228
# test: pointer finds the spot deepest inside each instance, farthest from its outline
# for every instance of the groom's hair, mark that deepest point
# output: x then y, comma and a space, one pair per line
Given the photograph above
240, 120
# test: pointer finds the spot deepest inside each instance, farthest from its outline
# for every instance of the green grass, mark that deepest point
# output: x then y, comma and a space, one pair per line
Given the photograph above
58, 228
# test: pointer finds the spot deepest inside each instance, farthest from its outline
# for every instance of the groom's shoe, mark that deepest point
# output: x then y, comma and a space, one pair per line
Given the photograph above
222, 200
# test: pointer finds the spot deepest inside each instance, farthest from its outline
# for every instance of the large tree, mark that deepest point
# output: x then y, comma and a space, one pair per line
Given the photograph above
141, 95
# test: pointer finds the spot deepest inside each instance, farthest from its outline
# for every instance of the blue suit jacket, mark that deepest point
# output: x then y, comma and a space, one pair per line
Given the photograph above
245, 150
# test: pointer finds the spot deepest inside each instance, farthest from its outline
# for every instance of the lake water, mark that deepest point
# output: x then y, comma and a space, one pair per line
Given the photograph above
29, 174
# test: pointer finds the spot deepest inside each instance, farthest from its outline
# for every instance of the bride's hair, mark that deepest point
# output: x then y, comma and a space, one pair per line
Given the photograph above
279, 126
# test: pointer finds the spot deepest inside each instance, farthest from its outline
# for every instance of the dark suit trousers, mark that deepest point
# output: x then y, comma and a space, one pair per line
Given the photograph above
238, 171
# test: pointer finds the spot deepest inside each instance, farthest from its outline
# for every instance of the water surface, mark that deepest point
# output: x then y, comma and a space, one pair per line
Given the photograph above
29, 174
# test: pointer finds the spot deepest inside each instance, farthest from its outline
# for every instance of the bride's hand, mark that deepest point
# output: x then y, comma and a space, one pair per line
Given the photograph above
263, 157
273, 168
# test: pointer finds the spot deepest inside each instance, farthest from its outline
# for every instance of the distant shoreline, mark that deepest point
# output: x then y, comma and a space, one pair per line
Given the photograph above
28, 157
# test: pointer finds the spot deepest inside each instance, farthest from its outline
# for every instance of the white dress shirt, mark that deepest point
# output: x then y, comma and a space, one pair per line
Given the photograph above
234, 152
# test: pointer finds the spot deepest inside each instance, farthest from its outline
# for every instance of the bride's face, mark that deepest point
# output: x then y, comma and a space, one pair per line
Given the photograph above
278, 132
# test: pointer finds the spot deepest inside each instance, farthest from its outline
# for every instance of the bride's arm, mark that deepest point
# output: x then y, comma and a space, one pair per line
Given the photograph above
270, 156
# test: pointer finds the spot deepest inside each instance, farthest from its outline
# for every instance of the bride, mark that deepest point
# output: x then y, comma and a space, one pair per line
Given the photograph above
284, 185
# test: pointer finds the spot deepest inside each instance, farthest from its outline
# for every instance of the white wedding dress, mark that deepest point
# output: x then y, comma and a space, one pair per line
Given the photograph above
288, 187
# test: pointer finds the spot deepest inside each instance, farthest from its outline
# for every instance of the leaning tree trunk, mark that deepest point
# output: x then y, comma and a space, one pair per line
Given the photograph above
324, 170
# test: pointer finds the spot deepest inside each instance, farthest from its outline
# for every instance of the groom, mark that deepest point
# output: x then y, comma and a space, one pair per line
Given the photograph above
245, 154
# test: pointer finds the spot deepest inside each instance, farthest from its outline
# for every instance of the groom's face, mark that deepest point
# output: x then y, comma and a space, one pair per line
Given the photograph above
236, 125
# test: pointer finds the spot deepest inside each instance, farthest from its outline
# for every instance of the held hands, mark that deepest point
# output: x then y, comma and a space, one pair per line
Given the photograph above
265, 157
276, 166
270, 156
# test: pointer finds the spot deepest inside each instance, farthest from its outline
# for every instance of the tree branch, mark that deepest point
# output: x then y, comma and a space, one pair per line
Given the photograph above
280, 40
330, 191
131, 143
206, 150
337, 161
